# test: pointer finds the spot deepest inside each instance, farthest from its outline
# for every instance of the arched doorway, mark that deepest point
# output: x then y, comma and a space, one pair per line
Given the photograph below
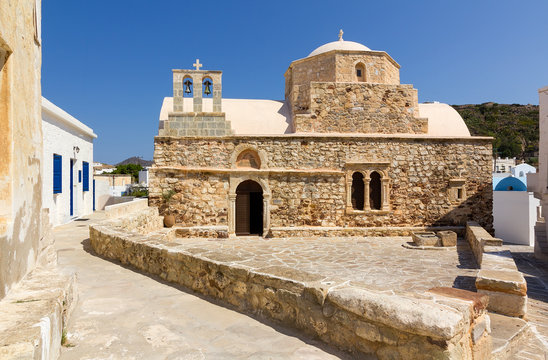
249, 208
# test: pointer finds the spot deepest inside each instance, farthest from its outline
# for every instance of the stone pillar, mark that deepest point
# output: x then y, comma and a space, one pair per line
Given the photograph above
348, 194
177, 92
197, 92
232, 215
266, 214
384, 195
217, 92
366, 205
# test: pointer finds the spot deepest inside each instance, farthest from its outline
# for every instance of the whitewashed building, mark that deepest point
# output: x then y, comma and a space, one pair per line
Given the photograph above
143, 177
504, 165
538, 182
514, 212
67, 185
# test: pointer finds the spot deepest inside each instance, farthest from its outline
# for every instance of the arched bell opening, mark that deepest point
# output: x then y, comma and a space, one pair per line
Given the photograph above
207, 87
249, 208
188, 88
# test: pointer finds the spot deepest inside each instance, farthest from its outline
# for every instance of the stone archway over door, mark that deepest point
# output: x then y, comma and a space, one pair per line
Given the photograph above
249, 208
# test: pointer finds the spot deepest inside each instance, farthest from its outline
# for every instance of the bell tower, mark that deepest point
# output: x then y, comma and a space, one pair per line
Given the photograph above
197, 104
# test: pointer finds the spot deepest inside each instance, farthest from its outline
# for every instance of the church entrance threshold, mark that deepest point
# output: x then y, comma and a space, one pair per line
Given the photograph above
249, 208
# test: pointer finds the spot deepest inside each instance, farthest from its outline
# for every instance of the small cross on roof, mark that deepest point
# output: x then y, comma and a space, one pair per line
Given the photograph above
197, 64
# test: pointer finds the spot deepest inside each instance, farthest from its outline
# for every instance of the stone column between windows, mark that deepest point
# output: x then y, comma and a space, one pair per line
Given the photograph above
366, 205
384, 194
349, 194
197, 98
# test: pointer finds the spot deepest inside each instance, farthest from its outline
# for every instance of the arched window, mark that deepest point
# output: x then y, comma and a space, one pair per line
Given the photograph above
521, 174
375, 191
360, 72
248, 159
357, 191
207, 87
187, 86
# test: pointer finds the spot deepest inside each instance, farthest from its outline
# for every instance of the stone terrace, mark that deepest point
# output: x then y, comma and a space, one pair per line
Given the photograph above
377, 263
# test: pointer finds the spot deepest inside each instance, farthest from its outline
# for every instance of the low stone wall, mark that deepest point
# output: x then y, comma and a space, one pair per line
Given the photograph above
33, 316
117, 210
429, 326
220, 231
499, 277
315, 231
141, 221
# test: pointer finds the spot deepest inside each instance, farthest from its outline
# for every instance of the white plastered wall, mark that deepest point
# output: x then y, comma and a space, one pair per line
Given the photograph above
514, 215
61, 135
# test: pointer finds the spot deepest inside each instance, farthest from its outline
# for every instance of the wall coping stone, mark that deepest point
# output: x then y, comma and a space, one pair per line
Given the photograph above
499, 276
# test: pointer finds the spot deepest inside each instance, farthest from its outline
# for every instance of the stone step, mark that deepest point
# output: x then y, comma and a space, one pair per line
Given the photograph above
507, 333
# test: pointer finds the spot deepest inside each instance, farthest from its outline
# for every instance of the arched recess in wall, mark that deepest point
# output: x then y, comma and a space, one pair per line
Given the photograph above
357, 194
375, 191
248, 159
359, 71
247, 156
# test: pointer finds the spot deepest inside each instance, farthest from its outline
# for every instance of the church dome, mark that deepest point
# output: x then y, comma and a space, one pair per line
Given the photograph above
339, 45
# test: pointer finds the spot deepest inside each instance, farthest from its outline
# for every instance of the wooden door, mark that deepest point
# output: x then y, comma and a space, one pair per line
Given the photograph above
242, 214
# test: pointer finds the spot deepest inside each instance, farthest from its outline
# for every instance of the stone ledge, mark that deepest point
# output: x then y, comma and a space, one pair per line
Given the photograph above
351, 318
499, 277
33, 315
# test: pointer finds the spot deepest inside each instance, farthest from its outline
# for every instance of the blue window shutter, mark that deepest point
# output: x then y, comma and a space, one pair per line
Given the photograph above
85, 170
57, 174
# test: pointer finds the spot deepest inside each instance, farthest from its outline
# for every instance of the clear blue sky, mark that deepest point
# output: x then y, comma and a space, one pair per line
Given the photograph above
108, 62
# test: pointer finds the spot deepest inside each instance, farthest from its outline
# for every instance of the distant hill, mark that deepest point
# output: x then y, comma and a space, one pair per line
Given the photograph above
515, 128
135, 160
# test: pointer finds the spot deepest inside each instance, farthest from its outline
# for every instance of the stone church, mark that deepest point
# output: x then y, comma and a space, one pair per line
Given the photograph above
350, 151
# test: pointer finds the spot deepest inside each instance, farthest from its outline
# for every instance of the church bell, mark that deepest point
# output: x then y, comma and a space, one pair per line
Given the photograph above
188, 85
207, 89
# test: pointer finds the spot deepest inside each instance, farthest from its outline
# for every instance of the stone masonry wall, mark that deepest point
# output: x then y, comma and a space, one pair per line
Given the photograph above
195, 124
378, 68
306, 179
362, 108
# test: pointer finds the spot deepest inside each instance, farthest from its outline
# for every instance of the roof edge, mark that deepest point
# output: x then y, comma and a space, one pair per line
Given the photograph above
66, 118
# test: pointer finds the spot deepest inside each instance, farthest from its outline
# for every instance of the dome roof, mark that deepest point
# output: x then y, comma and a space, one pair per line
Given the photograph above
511, 184
339, 45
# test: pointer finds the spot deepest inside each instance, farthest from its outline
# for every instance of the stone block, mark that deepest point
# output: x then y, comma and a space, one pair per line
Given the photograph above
448, 238
426, 238
506, 304
511, 282
492, 241
479, 301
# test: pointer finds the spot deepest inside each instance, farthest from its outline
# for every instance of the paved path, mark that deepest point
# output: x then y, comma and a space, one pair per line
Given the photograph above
536, 275
124, 314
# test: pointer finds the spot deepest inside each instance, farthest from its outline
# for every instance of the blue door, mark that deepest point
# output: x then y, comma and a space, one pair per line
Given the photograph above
71, 175
93, 194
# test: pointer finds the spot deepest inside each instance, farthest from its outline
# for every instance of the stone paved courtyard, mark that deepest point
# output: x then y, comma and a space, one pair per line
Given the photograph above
378, 263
